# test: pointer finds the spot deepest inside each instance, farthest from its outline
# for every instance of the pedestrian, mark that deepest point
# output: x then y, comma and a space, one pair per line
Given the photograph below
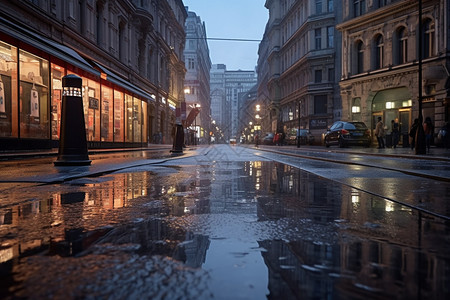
395, 132
379, 133
428, 129
412, 133
256, 141
276, 138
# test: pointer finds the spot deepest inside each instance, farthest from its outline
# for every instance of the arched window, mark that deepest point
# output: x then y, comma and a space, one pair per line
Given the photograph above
428, 38
379, 52
359, 57
402, 48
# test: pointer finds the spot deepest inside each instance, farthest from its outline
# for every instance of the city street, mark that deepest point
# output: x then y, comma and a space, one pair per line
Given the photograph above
227, 222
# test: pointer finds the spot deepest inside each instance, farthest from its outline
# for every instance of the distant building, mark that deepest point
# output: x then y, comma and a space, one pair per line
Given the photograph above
129, 55
226, 86
197, 81
297, 66
219, 110
250, 116
380, 62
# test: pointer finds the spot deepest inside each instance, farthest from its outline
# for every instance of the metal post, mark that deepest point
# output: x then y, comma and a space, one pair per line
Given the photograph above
298, 133
420, 147
72, 143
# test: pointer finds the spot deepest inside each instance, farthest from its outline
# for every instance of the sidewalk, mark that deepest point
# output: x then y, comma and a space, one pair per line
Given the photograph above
436, 153
26, 154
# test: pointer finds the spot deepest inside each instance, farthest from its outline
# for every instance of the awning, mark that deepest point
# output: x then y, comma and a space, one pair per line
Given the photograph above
53, 48
118, 80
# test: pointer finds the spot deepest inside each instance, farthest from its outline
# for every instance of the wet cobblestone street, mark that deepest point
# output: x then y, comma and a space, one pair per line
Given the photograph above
221, 224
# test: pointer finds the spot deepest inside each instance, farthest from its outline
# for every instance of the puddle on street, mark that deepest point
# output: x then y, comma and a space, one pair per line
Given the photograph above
241, 230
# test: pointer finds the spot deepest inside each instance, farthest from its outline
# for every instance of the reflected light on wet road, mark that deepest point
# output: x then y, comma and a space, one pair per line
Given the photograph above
257, 229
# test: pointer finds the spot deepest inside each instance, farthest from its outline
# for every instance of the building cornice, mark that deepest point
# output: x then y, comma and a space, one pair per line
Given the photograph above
378, 15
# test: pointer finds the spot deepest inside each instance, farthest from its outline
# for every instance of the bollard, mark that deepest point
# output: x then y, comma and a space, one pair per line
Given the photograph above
179, 140
72, 142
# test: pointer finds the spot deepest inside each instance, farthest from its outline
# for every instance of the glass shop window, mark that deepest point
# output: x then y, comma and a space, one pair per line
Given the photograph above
137, 120
57, 75
129, 118
144, 122
8, 94
107, 114
34, 95
118, 117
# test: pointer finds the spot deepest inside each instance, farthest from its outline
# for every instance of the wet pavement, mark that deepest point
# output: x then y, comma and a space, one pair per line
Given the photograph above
219, 223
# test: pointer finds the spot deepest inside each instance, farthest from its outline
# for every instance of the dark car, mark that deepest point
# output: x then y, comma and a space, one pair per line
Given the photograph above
443, 136
306, 138
348, 133
268, 139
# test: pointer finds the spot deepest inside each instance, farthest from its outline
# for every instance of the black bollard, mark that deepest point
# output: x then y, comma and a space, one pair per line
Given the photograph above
179, 140
72, 142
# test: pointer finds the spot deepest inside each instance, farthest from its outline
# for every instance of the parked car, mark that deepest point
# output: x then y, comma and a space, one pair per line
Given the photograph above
347, 133
306, 138
443, 136
268, 139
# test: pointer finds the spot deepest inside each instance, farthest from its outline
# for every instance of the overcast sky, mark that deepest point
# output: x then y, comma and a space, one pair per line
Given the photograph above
234, 19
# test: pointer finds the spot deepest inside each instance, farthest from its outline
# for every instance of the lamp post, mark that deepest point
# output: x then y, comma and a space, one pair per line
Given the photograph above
420, 147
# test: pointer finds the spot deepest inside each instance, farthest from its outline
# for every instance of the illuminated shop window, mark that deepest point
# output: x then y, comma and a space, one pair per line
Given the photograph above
57, 73
33, 96
8, 94
144, 122
129, 118
107, 114
137, 120
119, 132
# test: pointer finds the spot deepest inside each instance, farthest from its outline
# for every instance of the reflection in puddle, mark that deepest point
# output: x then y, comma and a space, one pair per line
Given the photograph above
253, 226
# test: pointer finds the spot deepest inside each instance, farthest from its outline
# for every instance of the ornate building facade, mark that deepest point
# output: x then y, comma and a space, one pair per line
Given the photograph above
298, 86
129, 55
380, 62
197, 83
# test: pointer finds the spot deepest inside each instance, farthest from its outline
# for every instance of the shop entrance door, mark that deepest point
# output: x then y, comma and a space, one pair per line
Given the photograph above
405, 123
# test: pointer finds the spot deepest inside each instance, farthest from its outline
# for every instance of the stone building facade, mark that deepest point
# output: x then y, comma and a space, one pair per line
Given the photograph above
197, 82
128, 53
380, 62
299, 84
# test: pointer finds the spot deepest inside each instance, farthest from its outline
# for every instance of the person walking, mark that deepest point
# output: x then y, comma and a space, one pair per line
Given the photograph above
394, 132
428, 129
379, 133
412, 133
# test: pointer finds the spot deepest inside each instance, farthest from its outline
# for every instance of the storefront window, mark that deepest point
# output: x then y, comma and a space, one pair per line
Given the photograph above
91, 106
144, 122
129, 118
137, 120
107, 114
8, 94
57, 75
118, 117
34, 79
